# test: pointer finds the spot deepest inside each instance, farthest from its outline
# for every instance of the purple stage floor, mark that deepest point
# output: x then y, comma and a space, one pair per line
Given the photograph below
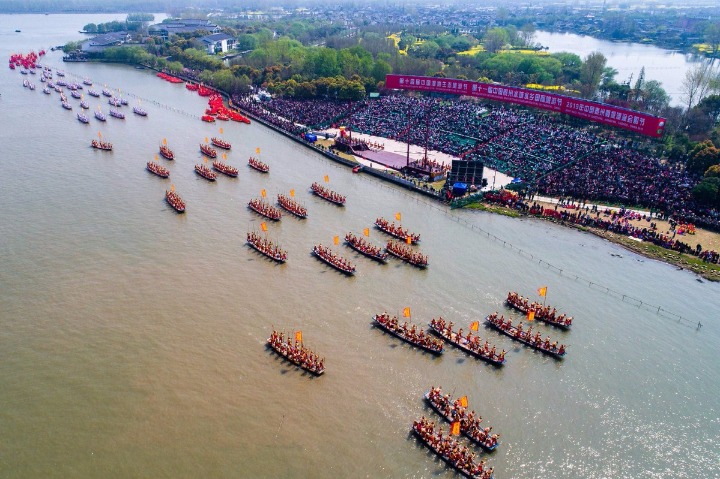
385, 158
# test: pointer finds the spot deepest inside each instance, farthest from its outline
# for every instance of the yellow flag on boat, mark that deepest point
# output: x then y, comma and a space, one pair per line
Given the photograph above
206, 140
257, 150
221, 130
474, 326
542, 291
292, 192
99, 134
463, 401
336, 240
531, 316
156, 157
455, 428
408, 240
263, 193
172, 188
224, 156
366, 232
397, 216
298, 336
205, 159
406, 313
263, 226
327, 179
164, 141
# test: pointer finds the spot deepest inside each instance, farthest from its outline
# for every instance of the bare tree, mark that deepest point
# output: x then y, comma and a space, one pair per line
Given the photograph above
527, 34
591, 73
697, 83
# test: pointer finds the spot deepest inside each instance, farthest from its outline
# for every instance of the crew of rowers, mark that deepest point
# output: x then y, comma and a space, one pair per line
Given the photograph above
327, 194
265, 209
291, 205
257, 164
469, 340
225, 168
396, 230
461, 457
167, 152
205, 172
469, 421
410, 333
101, 144
527, 336
545, 313
337, 260
360, 244
406, 253
220, 143
157, 169
209, 151
297, 353
175, 200
267, 246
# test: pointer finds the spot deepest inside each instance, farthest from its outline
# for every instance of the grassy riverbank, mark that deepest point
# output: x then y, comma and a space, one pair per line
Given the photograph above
709, 239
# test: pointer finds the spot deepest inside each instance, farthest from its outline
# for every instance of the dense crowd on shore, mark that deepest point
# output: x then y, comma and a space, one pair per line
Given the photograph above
533, 146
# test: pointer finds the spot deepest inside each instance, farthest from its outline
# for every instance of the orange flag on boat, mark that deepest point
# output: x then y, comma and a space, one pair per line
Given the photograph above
292, 193
263, 193
164, 141
531, 316
406, 313
336, 240
221, 131
463, 401
397, 216
172, 187
263, 226
206, 140
156, 157
366, 232
205, 159
327, 179
257, 150
224, 156
298, 336
455, 428
99, 134
542, 291
408, 240
474, 326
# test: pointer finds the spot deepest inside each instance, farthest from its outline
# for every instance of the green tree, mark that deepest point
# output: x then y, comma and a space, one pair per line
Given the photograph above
712, 36
495, 39
380, 70
591, 73
90, 28
703, 159
707, 191
713, 171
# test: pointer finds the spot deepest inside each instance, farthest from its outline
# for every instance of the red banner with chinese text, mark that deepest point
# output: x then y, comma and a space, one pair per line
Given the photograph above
624, 118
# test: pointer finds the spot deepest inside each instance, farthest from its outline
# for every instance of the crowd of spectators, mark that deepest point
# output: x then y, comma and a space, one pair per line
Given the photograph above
541, 149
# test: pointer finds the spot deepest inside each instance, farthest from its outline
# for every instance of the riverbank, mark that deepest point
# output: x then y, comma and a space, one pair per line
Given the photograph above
708, 239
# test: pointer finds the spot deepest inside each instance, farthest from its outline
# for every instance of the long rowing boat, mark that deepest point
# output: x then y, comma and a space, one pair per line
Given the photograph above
363, 247
158, 169
546, 314
225, 169
205, 172
207, 150
175, 201
506, 328
470, 344
330, 258
470, 427
328, 195
258, 165
262, 208
407, 254
301, 356
419, 339
447, 448
292, 206
266, 247
396, 230
220, 143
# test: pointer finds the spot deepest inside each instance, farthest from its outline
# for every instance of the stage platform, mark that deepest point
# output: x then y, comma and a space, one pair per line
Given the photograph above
385, 158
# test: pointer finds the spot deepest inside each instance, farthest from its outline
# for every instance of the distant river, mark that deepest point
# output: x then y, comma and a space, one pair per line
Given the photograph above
132, 338
665, 66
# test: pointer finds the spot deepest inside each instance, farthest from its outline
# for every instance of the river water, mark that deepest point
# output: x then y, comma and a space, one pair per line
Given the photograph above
132, 338
666, 66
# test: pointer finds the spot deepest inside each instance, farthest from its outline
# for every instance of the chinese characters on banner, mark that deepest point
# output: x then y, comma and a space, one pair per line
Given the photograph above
599, 112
